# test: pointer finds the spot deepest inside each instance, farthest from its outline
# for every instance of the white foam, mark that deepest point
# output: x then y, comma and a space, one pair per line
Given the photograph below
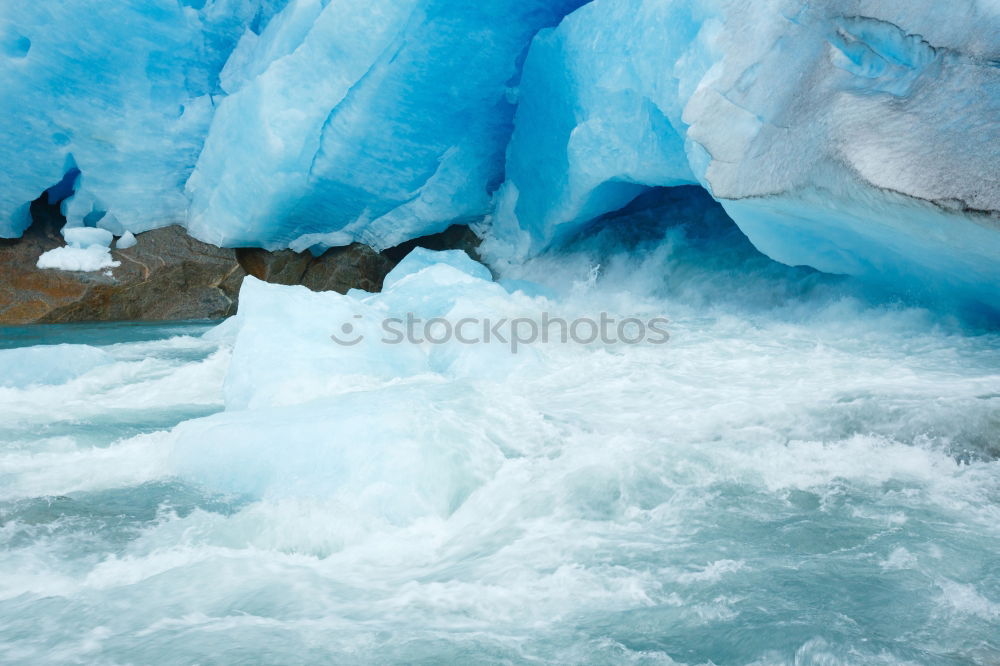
46, 473
421, 498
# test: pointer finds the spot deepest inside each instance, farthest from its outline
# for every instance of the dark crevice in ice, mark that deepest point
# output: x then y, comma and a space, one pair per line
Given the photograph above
47, 218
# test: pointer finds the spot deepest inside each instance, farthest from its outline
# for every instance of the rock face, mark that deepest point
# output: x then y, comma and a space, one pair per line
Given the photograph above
337, 269
169, 275
356, 266
455, 237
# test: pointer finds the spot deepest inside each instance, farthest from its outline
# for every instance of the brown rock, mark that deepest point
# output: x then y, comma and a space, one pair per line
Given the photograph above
353, 267
338, 269
280, 267
167, 275
455, 237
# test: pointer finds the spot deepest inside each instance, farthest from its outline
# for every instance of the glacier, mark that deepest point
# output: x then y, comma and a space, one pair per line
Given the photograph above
349, 121
110, 103
857, 137
808, 473
854, 137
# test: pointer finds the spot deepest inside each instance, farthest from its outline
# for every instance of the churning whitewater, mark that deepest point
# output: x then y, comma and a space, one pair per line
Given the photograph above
806, 473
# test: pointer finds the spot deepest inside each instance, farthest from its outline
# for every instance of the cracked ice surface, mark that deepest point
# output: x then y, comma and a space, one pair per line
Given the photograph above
359, 121
854, 136
858, 137
123, 89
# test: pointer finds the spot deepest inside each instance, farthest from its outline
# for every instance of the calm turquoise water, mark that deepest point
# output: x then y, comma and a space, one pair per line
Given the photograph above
807, 476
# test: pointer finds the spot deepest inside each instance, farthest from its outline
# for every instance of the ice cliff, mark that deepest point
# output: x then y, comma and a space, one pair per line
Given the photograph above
112, 99
855, 136
353, 120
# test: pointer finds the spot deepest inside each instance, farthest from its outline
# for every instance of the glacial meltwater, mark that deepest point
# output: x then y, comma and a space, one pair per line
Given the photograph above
806, 473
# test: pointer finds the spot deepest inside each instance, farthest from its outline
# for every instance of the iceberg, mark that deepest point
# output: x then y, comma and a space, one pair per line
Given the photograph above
858, 138
309, 368
345, 336
47, 365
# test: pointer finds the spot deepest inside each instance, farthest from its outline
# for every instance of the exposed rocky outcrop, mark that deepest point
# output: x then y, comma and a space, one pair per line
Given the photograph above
337, 269
169, 275
455, 237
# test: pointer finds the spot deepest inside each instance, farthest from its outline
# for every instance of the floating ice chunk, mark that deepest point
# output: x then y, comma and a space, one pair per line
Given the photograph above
293, 344
309, 369
48, 364
421, 258
126, 241
284, 352
379, 453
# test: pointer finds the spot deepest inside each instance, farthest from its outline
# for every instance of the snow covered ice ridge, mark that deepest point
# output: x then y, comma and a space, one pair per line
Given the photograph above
858, 137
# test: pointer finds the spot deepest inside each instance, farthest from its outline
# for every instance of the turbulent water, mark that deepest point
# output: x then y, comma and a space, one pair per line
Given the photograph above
806, 473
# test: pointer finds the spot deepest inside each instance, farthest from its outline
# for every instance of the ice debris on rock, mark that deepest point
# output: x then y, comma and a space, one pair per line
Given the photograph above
88, 249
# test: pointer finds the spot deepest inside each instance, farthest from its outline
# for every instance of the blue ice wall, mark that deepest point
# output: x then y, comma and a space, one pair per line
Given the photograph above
361, 121
855, 136
124, 90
